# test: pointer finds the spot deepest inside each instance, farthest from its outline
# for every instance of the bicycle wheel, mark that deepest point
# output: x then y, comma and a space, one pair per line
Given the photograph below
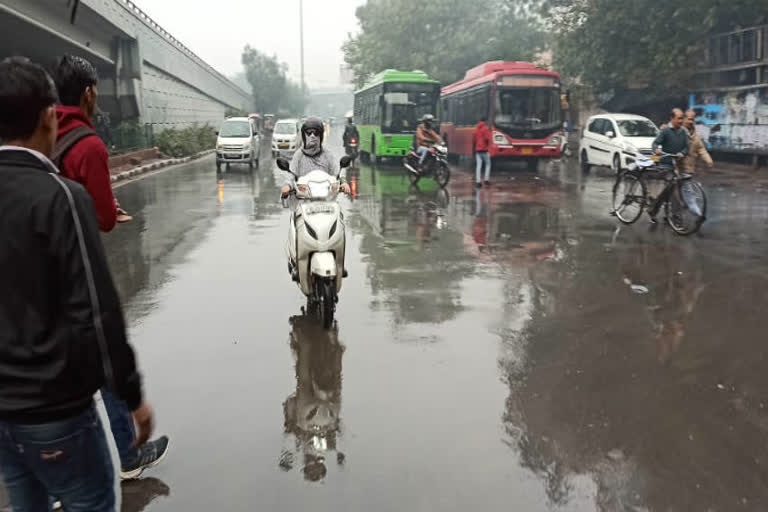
687, 209
629, 194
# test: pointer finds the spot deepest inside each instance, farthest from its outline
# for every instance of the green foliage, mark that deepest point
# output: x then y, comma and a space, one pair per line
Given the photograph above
187, 141
129, 135
643, 43
234, 112
272, 90
443, 38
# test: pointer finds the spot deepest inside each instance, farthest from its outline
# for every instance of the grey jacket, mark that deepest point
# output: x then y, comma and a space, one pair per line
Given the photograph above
301, 165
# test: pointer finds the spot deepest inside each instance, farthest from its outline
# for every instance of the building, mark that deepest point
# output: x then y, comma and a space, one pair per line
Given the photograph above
731, 98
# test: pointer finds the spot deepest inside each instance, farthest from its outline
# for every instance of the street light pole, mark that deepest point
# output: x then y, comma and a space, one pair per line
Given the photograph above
301, 37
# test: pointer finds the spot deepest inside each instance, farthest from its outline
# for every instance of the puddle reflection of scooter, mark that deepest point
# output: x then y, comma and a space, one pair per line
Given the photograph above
312, 413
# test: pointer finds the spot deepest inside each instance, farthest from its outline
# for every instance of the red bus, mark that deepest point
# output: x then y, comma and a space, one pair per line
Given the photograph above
521, 103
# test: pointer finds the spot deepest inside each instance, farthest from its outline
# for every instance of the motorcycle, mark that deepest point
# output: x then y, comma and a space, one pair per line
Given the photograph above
316, 240
435, 165
351, 150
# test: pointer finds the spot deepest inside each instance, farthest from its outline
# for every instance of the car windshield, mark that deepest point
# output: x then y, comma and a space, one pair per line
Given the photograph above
529, 107
405, 104
638, 128
285, 128
235, 129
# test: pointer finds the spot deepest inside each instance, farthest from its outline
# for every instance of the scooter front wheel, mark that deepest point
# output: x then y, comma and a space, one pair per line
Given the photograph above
325, 293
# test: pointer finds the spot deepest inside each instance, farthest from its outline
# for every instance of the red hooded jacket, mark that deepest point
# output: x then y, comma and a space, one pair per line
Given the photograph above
482, 137
87, 164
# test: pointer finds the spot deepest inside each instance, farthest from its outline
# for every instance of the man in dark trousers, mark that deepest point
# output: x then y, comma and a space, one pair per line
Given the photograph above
82, 157
62, 334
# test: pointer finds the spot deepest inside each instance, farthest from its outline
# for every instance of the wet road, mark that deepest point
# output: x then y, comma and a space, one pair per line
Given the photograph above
495, 349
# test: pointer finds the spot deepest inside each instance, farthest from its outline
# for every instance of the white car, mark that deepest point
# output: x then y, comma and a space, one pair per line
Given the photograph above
237, 142
614, 139
285, 137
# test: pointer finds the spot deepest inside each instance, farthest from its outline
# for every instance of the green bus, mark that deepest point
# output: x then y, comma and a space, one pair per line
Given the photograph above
388, 109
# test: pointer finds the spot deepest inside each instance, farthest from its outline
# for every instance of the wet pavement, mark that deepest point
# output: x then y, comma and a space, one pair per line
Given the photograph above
512, 347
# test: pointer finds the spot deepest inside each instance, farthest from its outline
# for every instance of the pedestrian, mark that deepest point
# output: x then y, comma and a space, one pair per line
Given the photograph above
80, 154
697, 150
82, 157
482, 139
673, 140
62, 334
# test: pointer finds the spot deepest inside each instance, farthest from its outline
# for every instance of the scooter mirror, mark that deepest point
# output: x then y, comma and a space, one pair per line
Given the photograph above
283, 164
345, 162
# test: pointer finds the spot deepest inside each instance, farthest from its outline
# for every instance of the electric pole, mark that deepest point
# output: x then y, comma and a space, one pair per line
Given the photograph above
301, 37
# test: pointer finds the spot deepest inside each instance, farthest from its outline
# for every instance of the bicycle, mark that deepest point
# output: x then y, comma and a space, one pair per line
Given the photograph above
683, 199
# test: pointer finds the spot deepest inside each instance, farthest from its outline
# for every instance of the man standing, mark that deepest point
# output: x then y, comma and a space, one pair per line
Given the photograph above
80, 154
697, 150
82, 157
482, 138
674, 139
62, 334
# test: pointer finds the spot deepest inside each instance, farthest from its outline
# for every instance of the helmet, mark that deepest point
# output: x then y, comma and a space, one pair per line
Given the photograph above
428, 119
349, 115
313, 123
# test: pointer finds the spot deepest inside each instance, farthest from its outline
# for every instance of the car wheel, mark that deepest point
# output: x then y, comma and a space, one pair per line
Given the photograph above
616, 166
585, 165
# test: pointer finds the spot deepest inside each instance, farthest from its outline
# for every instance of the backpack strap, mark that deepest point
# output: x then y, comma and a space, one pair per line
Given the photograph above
68, 141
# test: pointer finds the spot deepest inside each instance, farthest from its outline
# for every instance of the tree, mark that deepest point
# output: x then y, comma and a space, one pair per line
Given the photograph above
443, 38
654, 44
272, 90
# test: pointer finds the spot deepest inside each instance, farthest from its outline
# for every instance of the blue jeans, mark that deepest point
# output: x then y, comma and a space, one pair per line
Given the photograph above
483, 158
423, 151
67, 459
122, 426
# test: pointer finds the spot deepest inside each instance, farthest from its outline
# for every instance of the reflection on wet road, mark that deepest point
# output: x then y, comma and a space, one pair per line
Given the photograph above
502, 347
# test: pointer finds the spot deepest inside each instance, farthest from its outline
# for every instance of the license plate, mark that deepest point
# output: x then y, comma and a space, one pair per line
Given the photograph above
527, 151
282, 146
321, 208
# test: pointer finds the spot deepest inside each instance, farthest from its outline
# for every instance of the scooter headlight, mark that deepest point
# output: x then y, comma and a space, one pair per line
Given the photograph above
310, 230
333, 229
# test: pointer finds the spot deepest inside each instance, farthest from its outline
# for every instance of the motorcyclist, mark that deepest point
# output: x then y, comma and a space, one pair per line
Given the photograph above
312, 157
350, 130
426, 137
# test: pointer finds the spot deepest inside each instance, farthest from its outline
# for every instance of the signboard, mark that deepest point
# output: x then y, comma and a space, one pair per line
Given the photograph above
528, 81
733, 121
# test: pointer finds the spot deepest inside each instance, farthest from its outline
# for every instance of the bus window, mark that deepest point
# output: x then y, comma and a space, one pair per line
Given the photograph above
528, 107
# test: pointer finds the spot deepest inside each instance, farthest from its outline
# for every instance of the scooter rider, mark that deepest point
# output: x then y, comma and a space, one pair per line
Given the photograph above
312, 157
350, 130
426, 137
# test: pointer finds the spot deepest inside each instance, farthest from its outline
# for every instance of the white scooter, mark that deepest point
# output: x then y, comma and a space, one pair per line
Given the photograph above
316, 240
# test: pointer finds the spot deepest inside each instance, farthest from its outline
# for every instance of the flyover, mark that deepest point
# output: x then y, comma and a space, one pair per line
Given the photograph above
145, 73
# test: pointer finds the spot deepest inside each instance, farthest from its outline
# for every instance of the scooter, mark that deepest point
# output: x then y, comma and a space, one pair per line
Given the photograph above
435, 165
351, 150
316, 240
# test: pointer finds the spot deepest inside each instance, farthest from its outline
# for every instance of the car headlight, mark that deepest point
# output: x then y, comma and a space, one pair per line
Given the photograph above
219, 145
630, 148
554, 140
247, 145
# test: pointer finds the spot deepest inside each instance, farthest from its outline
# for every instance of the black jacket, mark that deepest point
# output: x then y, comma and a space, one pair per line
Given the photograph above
62, 334
350, 132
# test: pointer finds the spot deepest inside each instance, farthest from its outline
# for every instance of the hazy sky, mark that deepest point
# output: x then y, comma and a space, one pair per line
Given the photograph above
218, 30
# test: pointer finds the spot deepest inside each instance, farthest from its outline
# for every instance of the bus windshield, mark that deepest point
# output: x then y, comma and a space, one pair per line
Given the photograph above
405, 104
528, 108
